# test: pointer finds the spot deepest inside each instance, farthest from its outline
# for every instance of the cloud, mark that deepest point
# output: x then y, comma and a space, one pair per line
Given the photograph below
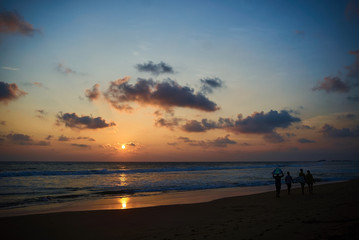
349, 116
65, 70
12, 22
9, 92
22, 139
273, 137
330, 131
204, 125
71, 120
220, 142
3, 123
165, 94
353, 98
41, 113
208, 84
304, 140
332, 84
9, 68
259, 123
87, 138
305, 127
94, 93
342, 84
81, 145
155, 69
352, 10
169, 123
353, 70
63, 138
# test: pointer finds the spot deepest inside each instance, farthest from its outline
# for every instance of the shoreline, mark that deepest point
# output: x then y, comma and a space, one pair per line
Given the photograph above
130, 202
331, 212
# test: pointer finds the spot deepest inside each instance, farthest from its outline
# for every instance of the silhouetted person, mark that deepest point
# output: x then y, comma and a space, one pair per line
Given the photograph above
302, 179
277, 175
289, 181
310, 180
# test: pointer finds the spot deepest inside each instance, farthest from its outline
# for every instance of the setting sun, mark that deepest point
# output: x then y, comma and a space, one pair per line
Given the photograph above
123, 146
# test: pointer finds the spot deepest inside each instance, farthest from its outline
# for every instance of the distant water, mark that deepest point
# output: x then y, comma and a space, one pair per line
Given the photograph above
25, 184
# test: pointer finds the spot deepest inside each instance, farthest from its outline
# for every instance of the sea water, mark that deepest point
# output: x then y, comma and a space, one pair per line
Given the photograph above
24, 184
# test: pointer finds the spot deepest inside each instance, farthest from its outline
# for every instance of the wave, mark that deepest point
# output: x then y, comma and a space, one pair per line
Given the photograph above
130, 171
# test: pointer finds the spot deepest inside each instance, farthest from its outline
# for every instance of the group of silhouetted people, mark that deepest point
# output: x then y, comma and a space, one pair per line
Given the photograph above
302, 179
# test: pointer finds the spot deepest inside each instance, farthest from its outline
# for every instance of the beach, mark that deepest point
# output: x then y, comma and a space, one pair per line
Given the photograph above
331, 212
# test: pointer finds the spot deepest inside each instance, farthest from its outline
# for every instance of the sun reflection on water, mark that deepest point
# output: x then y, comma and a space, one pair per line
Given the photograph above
123, 202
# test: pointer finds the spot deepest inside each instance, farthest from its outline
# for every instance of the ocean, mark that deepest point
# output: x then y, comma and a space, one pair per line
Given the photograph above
24, 184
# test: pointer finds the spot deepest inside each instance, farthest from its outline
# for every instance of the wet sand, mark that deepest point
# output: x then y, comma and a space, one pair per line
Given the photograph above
331, 212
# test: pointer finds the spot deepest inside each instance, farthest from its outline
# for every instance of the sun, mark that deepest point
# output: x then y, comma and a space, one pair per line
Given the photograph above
123, 146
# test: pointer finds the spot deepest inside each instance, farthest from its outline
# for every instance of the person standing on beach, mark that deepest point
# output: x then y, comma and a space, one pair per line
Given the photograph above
277, 175
310, 180
289, 181
302, 179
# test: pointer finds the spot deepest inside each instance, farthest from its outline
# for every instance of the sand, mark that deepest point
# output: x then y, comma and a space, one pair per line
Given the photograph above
331, 212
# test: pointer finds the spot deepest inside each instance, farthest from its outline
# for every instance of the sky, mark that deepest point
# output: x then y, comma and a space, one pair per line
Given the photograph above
179, 80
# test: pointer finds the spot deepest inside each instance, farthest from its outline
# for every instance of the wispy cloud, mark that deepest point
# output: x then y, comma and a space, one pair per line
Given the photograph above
64, 70
155, 69
12, 22
9, 68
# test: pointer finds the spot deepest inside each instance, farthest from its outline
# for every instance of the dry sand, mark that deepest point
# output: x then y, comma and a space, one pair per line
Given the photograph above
331, 212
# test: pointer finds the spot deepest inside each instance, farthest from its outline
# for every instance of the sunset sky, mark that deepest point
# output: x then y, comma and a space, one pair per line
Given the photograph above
179, 80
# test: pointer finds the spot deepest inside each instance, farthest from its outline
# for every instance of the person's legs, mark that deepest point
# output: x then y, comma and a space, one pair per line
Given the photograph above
302, 185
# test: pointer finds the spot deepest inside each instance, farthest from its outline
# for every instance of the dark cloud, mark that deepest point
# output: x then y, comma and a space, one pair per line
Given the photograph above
305, 127
259, 123
63, 138
352, 10
3, 123
353, 70
12, 22
273, 137
41, 113
154, 69
169, 123
49, 137
349, 116
330, 131
65, 70
343, 83
87, 138
204, 125
332, 84
353, 98
304, 140
9, 92
208, 84
94, 93
166, 94
80, 145
71, 120
218, 142
22, 139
